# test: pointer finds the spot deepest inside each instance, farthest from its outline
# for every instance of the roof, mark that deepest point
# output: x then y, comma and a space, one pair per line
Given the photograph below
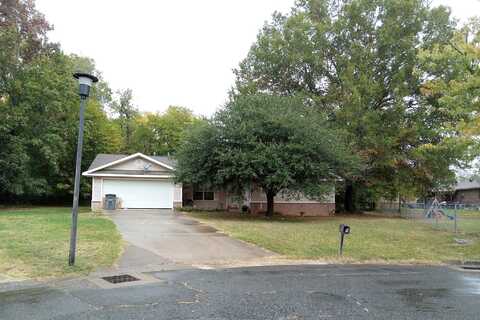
468, 184
103, 158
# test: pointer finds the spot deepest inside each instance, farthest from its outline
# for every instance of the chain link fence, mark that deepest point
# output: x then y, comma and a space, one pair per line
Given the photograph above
451, 217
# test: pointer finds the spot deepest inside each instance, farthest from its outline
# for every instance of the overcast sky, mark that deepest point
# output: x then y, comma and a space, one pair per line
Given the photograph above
178, 52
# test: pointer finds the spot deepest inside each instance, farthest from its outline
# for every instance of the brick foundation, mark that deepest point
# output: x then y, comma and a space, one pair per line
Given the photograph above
97, 206
297, 209
207, 204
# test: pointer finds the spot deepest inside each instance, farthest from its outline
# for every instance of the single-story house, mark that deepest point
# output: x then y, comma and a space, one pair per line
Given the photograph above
141, 181
467, 191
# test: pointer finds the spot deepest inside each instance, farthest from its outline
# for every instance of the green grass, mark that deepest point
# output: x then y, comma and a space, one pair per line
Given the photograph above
34, 242
465, 213
468, 221
466, 225
373, 239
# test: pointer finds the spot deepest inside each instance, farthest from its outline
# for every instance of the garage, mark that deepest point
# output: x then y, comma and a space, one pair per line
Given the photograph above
138, 181
145, 194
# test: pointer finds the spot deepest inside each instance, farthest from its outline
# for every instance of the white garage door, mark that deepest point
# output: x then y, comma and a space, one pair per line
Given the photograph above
141, 193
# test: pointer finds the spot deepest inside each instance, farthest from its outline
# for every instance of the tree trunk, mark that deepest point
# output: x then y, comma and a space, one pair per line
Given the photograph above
270, 197
349, 198
128, 132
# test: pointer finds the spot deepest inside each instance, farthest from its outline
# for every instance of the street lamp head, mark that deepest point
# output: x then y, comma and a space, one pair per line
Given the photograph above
85, 80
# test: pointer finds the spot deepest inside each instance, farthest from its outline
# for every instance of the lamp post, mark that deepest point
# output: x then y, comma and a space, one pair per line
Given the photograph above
85, 81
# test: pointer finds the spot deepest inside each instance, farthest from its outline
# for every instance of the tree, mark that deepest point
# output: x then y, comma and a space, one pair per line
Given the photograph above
358, 60
453, 73
39, 107
162, 133
23, 37
38, 133
278, 143
450, 95
126, 113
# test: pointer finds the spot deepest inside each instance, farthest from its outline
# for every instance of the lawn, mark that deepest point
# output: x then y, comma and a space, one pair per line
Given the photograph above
372, 238
34, 242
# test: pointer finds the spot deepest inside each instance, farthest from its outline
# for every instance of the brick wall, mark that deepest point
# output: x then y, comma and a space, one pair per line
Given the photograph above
297, 209
468, 196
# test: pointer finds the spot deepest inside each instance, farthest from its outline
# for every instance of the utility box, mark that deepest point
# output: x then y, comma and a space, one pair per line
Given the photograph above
110, 201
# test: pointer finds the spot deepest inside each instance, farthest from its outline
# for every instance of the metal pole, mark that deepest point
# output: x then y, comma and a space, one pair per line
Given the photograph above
76, 190
340, 250
455, 216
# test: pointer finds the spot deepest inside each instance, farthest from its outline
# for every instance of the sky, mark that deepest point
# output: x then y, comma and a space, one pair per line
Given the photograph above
175, 52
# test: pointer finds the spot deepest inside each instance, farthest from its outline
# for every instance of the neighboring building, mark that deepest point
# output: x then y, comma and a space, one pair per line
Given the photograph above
467, 191
141, 181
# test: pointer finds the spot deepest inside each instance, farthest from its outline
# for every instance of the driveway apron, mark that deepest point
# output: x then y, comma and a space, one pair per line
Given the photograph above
164, 236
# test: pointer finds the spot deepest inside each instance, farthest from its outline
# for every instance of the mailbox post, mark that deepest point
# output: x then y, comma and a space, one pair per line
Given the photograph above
344, 229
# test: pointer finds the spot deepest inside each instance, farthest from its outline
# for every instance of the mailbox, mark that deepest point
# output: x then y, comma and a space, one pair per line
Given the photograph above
344, 229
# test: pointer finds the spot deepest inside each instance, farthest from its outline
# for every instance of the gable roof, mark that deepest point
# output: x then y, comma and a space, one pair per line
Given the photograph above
468, 184
103, 159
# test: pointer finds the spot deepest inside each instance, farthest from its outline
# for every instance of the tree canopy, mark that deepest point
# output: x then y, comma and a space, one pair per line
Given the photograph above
395, 82
277, 143
374, 68
162, 133
126, 114
39, 109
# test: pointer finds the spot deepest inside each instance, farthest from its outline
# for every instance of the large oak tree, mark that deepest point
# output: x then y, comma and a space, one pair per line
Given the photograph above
278, 143
359, 61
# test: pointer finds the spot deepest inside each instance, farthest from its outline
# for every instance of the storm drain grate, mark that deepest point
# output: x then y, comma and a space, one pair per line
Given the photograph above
120, 278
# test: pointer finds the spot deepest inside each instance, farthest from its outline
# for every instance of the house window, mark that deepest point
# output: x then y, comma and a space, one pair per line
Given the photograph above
208, 195
201, 194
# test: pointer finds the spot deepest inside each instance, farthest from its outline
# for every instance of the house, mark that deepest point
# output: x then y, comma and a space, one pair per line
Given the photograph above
467, 191
141, 181
138, 181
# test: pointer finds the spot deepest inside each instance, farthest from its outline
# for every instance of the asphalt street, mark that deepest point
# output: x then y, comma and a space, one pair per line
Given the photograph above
274, 292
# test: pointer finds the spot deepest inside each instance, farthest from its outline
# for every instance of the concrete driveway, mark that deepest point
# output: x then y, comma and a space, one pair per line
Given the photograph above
161, 237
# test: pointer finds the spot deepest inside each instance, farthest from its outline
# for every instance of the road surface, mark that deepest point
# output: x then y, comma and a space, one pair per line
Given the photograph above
274, 292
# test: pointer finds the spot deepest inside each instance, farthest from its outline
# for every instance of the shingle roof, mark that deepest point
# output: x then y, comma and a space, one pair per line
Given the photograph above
104, 158
467, 184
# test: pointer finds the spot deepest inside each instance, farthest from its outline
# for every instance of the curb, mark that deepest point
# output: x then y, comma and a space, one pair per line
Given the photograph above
465, 266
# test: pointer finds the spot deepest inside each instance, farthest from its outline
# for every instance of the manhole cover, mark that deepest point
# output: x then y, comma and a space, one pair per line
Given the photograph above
120, 278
